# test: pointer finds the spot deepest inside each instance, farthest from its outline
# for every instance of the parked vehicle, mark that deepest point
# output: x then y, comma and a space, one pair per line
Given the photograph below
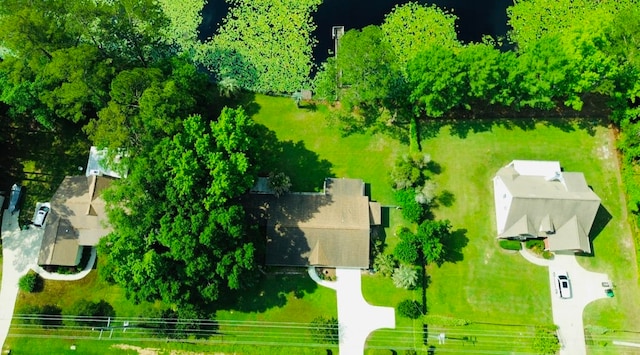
564, 285
41, 215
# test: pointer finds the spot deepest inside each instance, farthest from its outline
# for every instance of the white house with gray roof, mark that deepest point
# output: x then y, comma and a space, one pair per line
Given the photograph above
536, 199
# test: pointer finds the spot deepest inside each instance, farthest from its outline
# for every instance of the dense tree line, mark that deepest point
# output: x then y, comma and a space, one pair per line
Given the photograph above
566, 52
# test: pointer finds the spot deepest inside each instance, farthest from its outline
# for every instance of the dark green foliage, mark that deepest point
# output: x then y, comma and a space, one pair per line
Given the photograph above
91, 314
536, 245
411, 209
410, 309
324, 330
509, 244
30, 282
60, 56
426, 245
178, 237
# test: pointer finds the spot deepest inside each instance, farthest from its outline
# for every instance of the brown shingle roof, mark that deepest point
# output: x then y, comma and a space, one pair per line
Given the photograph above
77, 218
328, 229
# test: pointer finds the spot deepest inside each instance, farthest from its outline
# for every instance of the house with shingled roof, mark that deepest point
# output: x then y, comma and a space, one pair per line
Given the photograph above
77, 218
331, 228
536, 199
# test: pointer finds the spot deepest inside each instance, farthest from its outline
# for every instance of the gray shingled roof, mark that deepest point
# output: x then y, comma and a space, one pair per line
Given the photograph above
560, 206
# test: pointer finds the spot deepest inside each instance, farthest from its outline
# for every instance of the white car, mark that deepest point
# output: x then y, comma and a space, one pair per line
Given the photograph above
41, 215
564, 285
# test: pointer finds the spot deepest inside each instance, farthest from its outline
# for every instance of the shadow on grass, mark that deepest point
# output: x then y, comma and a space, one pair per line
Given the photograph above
452, 246
485, 117
305, 168
272, 291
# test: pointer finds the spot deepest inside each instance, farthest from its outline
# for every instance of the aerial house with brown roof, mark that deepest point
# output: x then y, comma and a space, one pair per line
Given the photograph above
331, 228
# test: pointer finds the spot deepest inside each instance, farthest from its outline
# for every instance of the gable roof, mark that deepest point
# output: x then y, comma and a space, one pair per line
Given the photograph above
77, 218
328, 229
535, 198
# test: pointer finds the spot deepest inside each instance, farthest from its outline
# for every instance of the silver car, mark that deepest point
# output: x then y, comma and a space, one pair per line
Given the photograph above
41, 215
564, 285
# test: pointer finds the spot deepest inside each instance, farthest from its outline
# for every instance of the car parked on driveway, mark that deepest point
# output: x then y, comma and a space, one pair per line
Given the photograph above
564, 285
41, 215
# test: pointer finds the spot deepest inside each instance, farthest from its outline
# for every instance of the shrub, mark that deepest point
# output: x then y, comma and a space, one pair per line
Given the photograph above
509, 244
29, 282
547, 255
535, 245
412, 211
410, 309
405, 277
280, 183
384, 264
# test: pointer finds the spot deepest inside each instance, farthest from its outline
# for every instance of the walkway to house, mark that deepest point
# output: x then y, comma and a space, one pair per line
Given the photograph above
586, 287
356, 318
20, 250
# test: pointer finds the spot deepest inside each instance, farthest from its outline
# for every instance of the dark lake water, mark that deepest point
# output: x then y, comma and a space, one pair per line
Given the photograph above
475, 18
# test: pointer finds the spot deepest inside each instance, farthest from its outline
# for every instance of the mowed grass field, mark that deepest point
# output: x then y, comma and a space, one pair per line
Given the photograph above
502, 294
498, 292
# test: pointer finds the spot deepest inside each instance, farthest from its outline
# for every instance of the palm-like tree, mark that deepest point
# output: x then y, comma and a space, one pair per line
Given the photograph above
229, 87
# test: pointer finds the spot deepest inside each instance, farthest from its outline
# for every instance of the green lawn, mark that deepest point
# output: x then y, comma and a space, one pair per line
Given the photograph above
500, 293
487, 285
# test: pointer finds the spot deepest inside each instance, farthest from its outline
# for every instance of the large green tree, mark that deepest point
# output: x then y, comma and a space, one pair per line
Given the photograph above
178, 234
412, 28
265, 45
60, 56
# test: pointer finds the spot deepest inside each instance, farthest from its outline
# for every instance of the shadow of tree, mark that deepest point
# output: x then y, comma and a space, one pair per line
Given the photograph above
446, 198
272, 291
452, 247
305, 168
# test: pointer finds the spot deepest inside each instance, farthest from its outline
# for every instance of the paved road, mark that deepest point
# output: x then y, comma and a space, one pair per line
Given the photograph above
356, 318
586, 287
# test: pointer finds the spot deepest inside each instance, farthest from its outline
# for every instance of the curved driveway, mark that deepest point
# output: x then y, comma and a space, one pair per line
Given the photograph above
356, 318
19, 253
586, 287
20, 249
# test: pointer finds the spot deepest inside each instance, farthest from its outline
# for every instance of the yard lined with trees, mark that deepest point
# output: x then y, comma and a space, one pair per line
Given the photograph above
405, 106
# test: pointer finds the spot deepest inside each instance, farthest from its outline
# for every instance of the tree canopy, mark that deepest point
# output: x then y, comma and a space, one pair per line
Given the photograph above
412, 28
265, 45
178, 236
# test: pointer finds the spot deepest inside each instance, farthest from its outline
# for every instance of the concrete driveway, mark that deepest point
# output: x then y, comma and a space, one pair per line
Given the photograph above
20, 250
586, 287
356, 318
